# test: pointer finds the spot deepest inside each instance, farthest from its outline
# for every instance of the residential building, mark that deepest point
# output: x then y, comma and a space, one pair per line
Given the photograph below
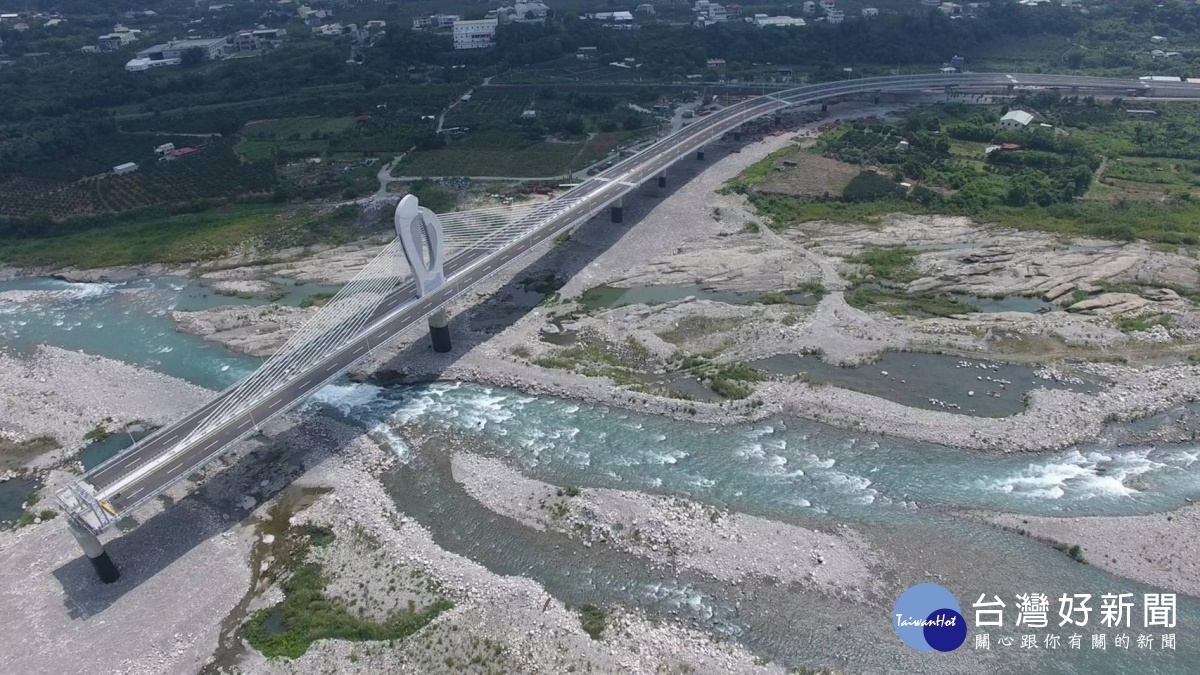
521, 12
127, 167
171, 53
477, 34
435, 21
1157, 53
931, 4
762, 21
950, 8
587, 53
617, 20
809, 7
259, 38
716, 64
1173, 56
958, 63
119, 37
164, 148
869, 12
1015, 119
141, 63
645, 8
835, 15
1158, 39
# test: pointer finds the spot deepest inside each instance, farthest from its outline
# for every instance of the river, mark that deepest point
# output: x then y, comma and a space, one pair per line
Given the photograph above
902, 496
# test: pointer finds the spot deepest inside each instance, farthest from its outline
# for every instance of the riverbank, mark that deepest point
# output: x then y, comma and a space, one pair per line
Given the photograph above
678, 533
65, 395
1161, 549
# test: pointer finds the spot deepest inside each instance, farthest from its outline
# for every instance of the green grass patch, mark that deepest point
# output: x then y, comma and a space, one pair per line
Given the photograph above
307, 615
758, 171
317, 299
183, 238
870, 186
896, 264
98, 433
902, 304
1133, 324
594, 620
733, 381
493, 154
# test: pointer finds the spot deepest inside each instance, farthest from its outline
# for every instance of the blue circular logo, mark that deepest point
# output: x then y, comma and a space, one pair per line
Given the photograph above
927, 617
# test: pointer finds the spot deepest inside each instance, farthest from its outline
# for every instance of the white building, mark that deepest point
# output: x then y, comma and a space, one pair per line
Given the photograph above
127, 167
522, 12
869, 12
1158, 39
476, 34
645, 8
212, 48
835, 15
141, 63
1015, 119
762, 21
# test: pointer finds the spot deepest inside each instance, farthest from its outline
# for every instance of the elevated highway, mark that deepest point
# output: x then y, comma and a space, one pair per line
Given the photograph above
382, 308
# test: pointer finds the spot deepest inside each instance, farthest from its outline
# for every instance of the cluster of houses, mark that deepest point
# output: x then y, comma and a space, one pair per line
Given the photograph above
21, 22
481, 33
171, 53
1161, 54
708, 13
954, 9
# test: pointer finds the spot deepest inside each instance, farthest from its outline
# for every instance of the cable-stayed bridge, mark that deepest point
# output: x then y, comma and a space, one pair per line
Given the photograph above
434, 259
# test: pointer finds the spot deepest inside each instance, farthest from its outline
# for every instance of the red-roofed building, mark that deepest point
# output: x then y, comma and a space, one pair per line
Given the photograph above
178, 153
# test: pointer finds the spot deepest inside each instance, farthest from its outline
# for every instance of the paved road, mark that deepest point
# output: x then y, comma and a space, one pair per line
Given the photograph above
135, 476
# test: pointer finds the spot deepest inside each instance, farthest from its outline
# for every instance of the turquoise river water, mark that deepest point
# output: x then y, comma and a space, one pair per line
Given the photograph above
903, 497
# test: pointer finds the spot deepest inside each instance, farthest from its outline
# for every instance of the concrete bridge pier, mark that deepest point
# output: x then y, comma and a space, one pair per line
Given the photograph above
737, 135
617, 211
439, 331
700, 155
662, 180
95, 553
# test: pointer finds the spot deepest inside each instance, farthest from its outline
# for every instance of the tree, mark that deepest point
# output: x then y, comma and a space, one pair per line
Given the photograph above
191, 57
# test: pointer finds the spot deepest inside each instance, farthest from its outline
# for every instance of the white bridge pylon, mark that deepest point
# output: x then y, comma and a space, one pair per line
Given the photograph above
424, 241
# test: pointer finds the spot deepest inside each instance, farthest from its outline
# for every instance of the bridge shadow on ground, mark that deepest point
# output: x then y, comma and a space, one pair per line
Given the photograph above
144, 549
492, 315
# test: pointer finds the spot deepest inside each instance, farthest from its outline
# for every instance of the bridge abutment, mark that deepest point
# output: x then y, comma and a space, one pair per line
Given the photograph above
617, 210
439, 331
95, 553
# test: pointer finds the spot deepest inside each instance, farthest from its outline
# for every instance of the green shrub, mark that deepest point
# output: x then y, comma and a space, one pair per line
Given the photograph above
869, 186
594, 620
